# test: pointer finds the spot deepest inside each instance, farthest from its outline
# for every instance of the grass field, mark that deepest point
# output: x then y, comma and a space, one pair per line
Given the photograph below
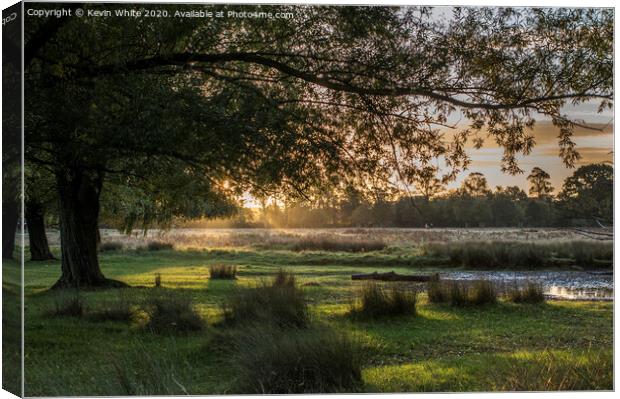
557, 345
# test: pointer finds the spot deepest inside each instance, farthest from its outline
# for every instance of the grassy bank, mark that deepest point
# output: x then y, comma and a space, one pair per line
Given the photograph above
436, 348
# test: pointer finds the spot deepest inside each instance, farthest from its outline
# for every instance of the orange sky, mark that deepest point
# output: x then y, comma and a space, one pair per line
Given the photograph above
594, 146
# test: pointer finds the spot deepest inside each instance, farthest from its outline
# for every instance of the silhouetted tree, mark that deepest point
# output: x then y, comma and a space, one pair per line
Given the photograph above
475, 185
588, 193
540, 185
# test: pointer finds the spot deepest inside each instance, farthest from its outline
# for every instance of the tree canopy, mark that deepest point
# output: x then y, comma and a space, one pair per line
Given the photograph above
335, 96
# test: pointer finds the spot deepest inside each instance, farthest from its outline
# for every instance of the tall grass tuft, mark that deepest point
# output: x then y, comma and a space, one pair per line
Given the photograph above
159, 245
532, 292
171, 312
435, 292
110, 246
68, 304
483, 292
284, 278
272, 361
376, 302
223, 272
462, 293
158, 280
458, 294
280, 303
114, 310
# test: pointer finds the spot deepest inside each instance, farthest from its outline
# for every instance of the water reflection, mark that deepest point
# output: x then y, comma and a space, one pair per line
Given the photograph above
579, 293
598, 285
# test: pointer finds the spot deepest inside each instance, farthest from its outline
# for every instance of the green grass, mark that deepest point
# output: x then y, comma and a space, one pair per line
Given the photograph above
11, 327
441, 348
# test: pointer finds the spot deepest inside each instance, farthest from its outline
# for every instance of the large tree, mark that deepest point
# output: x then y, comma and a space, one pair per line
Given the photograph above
346, 95
40, 199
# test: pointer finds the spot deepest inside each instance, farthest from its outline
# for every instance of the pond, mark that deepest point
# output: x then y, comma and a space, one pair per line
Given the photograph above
582, 285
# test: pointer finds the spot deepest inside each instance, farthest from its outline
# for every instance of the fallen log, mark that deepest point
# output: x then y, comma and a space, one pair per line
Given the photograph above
391, 276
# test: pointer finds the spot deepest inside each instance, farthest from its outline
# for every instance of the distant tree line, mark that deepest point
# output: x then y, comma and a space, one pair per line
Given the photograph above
586, 198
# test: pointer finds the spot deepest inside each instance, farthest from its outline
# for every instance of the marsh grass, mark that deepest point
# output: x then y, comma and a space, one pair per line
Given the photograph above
376, 301
521, 254
318, 360
435, 292
482, 292
591, 254
458, 293
170, 312
223, 272
462, 293
281, 303
531, 292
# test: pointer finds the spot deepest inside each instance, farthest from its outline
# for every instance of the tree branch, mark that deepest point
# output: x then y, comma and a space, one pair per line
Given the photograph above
181, 59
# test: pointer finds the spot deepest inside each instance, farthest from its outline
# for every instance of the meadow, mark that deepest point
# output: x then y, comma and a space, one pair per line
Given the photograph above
188, 324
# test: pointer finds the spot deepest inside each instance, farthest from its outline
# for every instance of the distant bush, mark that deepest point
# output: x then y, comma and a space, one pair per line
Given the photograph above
159, 246
68, 304
530, 293
281, 303
272, 361
115, 310
376, 302
110, 246
223, 272
170, 312
320, 243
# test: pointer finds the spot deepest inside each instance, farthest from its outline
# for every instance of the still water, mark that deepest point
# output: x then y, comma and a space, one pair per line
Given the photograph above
597, 285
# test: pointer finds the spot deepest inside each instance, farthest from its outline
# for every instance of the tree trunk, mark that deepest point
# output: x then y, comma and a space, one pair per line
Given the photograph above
10, 217
35, 220
79, 214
